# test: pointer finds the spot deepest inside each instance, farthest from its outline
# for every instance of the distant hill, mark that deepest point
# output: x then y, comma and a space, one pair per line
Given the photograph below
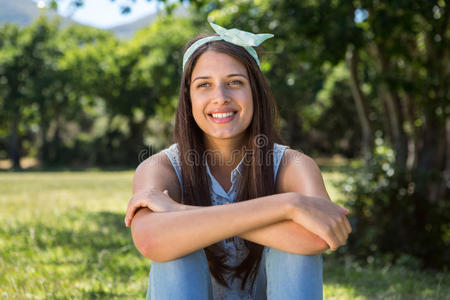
127, 31
23, 12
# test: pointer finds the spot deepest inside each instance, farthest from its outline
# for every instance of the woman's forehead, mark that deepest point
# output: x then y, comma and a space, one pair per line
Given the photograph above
212, 63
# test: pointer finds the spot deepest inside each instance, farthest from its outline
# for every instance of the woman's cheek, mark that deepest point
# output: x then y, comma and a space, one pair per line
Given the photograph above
197, 116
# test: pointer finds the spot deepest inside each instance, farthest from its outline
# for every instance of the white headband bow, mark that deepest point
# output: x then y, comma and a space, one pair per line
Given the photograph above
235, 36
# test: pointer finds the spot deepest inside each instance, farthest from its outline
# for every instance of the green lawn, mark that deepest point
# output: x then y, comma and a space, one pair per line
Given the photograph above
62, 237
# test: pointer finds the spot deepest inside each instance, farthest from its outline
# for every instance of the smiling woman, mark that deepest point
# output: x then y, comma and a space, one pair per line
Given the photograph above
213, 88
267, 242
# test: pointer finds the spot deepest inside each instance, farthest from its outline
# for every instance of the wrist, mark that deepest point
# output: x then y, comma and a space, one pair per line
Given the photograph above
294, 201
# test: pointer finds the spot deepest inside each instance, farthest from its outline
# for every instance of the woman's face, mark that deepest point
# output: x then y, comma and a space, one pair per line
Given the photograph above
221, 96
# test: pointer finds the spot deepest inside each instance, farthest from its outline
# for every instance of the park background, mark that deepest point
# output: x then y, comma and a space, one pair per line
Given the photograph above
362, 87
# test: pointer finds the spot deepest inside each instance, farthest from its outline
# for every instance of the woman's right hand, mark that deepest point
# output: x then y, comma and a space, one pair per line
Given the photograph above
322, 217
153, 199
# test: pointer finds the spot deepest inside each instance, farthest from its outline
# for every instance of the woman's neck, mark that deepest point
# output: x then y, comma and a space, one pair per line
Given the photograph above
224, 153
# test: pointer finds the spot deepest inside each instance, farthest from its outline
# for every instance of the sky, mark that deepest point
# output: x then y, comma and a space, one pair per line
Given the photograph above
104, 13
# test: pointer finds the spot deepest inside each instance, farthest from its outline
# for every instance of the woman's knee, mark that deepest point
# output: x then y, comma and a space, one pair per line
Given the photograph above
293, 276
184, 277
193, 264
286, 259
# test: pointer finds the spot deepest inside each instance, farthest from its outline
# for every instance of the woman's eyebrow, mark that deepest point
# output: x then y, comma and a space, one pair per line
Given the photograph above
237, 74
201, 77
229, 75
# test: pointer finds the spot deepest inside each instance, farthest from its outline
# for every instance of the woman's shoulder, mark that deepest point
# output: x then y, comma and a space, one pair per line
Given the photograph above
156, 171
156, 163
300, 173
297, 158
295, 161
161, 159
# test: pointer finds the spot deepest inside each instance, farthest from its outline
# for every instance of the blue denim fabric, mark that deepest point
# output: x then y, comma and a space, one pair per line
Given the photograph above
281, 276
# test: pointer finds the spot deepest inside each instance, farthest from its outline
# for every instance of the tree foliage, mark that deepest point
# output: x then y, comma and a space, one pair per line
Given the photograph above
65, 84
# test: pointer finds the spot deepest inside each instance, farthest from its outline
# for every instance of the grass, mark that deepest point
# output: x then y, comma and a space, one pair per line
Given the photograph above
62, 237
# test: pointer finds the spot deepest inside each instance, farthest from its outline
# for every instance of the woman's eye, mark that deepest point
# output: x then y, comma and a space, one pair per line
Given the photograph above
203, 84
236, 82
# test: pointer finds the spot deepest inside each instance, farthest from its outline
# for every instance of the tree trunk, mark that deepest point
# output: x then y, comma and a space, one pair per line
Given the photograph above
430, 183
14, 141
136, 138
409, 112
293, 129
55, 144
360, 102
43, 149
446, 176
393, 108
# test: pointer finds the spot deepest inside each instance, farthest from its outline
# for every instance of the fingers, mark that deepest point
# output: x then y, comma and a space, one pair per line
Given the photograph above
337, 233
344, 210
341, 233
133, 206
347, 225
140, 199
344, 229
334, 225
330, 239
130, 213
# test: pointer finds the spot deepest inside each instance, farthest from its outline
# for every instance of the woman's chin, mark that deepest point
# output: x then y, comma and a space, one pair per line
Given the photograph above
225, 135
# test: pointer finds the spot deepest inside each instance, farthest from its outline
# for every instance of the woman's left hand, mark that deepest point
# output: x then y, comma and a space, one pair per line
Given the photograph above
153, 199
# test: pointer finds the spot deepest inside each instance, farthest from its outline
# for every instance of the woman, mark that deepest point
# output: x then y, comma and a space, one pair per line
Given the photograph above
267, 242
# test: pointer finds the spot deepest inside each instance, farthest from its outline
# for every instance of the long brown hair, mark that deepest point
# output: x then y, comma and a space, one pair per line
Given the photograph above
257, 174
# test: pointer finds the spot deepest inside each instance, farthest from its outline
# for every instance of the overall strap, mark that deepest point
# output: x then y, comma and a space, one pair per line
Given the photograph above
278, 151
173, 154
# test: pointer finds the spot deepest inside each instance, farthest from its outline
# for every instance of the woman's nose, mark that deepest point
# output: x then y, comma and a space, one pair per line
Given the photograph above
220, 95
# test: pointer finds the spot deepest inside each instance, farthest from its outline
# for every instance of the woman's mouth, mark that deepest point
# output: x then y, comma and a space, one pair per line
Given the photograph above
222, 117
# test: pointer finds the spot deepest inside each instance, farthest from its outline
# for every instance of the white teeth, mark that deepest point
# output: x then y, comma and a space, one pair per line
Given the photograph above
223, 115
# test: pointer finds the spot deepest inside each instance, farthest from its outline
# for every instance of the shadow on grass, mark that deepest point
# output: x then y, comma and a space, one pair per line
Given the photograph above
56, 169
383, 281
95, 242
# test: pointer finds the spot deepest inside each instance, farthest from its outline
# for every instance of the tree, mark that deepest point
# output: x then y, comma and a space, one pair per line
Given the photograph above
398, 62
134, 78
13, 78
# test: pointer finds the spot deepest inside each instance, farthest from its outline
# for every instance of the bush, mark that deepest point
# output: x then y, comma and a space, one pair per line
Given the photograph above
389, 216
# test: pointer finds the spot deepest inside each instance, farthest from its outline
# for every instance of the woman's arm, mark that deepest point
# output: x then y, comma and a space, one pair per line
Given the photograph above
168, 235
286, 236
164, 236
297, 173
